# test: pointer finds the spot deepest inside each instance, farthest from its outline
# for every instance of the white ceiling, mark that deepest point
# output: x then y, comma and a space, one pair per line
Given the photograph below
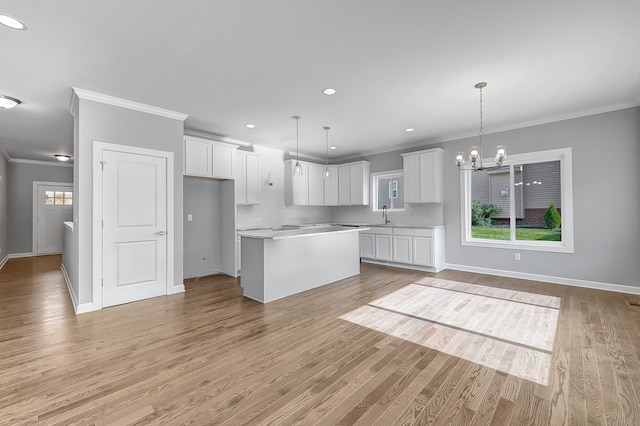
395, 64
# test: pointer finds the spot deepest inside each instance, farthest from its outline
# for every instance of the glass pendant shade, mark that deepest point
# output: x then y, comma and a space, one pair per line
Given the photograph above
327, 173
297, 169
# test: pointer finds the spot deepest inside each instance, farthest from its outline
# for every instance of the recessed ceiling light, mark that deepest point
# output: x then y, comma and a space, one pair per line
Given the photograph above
62, 157
12, 22
409, 130
329, 91
8, 102
333, 147
250, 126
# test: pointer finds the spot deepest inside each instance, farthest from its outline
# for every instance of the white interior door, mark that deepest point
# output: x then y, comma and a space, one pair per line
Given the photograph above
134, 209
54, 206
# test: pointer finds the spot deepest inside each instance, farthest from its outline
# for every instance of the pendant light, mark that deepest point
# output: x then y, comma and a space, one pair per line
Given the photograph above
297, 169
475, 156
327, 172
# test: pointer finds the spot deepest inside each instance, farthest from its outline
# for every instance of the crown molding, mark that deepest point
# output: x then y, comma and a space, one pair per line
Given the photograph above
122, 103
40, 162
217, 138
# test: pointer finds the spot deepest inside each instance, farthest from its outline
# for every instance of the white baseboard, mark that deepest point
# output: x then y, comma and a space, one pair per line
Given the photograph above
4, 261
175, 289
401, 265
80, 308
620, 288
18, 255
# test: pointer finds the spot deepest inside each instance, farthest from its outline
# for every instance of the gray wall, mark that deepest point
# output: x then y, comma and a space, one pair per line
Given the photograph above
20, 205
203, 235
606, 199
4, 248
606, 149
106, 123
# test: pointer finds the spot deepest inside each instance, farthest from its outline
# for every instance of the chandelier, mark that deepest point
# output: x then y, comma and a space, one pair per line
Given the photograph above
475, 156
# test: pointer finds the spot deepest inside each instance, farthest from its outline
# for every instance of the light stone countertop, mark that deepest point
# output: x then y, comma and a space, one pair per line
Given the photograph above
280, 234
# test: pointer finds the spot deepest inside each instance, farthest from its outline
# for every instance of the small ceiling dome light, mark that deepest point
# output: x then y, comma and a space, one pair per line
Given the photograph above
297, 169
409, 130
329, 91
11, 22
333, 148
62, 157
475, 155
8, 102
250, 126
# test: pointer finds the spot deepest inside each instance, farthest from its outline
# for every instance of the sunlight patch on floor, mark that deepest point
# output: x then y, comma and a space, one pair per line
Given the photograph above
510, 331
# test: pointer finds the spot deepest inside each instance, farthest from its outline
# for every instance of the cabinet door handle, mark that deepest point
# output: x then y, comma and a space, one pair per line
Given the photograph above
161, 233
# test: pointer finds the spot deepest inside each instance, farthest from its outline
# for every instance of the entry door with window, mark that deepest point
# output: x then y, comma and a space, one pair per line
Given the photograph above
55, 205
134, 214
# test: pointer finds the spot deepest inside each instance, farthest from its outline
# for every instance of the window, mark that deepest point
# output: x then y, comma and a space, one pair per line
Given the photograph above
525, 204
388, 190
58, 198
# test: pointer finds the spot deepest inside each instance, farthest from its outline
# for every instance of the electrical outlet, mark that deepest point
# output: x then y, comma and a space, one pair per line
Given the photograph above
189, 217
517, 256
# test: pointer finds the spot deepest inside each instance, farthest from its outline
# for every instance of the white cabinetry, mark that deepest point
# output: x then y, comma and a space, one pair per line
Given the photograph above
419, 247
423, 176
207, 158
247, 178
348, 184
331, 187
353, 184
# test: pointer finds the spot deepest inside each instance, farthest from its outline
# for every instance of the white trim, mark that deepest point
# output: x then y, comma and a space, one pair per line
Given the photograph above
19, 255
175, 289
621, 288
98, 148
374, 193
123, 103
40, 162
79, 308
402, 265
566, 246
34, 211
4, 261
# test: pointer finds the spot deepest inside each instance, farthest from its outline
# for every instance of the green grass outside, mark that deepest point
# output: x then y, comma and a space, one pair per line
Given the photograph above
528, 234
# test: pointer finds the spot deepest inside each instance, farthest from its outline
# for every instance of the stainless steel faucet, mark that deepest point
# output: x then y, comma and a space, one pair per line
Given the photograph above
384, 215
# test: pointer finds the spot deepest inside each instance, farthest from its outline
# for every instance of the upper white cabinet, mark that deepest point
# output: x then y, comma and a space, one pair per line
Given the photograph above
348, 184
353, 184
247, 178
296, 188
423, 176
207, 158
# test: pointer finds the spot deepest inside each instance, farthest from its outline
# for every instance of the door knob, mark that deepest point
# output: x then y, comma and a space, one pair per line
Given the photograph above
160, 233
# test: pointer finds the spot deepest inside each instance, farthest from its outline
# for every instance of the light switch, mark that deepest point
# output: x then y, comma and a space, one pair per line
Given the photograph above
189, 217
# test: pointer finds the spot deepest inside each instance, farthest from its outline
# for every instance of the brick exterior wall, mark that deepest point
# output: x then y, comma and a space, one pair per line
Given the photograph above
532, 218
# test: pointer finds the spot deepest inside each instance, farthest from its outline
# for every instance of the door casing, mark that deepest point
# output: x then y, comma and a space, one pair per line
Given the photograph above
98, 148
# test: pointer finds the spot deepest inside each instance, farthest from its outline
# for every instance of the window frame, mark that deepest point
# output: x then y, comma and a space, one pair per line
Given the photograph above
566, 245
374, 189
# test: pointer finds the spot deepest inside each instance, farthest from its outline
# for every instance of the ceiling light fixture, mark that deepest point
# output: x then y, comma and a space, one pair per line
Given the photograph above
297, 169
8, 102
409, 130
475, 156
250, 126
329, 91
327, 172
333, 148
12, 22
62, 157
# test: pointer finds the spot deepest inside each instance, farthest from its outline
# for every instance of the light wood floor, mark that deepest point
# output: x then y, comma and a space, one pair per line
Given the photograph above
209, 356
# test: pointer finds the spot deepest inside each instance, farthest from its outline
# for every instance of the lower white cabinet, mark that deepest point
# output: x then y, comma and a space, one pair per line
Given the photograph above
420, 247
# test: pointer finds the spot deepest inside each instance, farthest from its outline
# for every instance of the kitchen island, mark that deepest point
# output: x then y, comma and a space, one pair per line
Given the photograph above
279, 263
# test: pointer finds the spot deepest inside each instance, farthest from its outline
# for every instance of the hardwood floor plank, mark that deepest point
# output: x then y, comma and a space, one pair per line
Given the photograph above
326, 356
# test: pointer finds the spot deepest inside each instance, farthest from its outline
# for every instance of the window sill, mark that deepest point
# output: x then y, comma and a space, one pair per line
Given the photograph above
520, 245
